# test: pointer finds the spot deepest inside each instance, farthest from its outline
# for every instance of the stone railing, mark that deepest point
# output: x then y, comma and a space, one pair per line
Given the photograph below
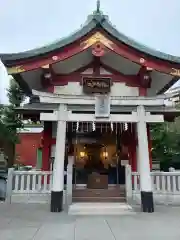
27, 183
165, 186
162, 182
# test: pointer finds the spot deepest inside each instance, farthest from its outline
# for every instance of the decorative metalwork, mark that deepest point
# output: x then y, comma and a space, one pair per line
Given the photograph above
175, 72
97, 38
14, 70
54, 58
142, 60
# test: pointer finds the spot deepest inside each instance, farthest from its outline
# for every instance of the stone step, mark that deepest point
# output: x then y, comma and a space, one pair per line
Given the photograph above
100, 209
98, 193
98, 199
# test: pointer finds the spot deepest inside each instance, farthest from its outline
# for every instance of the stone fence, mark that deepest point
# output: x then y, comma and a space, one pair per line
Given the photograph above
28, 186
35, 186
165, 185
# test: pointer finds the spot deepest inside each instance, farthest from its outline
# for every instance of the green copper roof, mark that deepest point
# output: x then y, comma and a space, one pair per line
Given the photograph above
96, 20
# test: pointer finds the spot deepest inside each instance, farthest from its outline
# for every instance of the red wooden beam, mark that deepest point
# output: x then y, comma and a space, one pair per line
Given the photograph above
115, 46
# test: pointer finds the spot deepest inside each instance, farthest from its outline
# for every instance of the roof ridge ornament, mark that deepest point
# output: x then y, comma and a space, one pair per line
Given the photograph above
98, 6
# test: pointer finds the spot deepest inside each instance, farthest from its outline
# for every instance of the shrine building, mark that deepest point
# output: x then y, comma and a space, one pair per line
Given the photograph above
97, 92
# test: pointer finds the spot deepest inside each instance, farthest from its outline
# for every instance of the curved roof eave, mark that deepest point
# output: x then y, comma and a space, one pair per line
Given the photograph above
90, 25
138, 46
97, 18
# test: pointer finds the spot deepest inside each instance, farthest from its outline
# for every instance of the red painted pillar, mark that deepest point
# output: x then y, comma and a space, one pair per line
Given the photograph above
149, 145
46, 151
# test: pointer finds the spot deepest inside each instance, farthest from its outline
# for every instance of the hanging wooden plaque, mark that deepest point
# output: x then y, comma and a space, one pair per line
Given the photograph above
96, 85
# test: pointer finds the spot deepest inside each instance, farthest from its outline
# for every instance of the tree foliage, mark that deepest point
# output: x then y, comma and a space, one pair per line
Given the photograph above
166, 141
10, 121
15, 94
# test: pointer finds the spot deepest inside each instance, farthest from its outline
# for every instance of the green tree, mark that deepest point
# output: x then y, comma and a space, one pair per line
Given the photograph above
11, 121
166, 142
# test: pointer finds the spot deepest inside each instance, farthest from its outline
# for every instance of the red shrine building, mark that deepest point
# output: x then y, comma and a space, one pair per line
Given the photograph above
97, 93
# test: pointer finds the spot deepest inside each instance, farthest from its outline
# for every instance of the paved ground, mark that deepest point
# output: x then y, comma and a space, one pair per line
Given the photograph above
35, 222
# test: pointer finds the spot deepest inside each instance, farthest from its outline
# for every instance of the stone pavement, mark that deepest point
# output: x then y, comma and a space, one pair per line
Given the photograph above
35, 222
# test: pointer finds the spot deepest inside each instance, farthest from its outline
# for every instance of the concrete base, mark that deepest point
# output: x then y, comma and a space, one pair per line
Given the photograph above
160, 199
147, 203
100, 209
33, 198
57, 201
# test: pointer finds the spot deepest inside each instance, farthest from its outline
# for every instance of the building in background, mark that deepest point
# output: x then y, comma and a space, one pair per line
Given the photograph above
29, 150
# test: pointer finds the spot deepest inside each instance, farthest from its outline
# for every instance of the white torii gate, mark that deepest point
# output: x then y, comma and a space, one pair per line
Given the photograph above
63, 115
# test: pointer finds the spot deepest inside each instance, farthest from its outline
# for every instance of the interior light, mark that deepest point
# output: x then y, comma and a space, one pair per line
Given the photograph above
105, 154
82, 154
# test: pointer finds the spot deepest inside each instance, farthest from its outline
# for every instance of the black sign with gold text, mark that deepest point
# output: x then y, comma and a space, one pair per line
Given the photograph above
96, 85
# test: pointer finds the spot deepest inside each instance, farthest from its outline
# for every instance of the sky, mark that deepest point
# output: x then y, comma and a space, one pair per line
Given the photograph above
29, 24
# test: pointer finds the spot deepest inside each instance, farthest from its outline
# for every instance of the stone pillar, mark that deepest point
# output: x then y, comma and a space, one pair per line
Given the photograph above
58, 166
144, 167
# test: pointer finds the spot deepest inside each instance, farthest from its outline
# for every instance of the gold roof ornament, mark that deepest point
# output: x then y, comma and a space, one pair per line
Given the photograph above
97, 38
16, 69
45, 66
175, 72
